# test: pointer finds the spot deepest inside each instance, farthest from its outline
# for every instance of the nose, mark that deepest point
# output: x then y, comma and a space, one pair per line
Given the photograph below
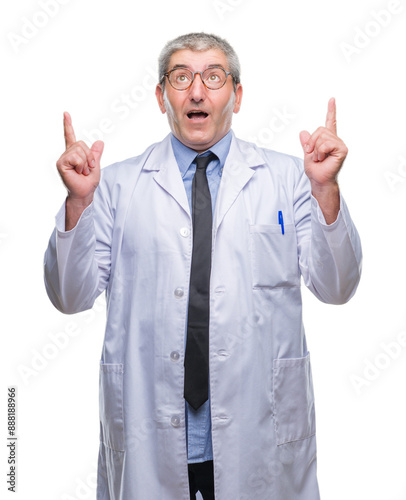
197, 91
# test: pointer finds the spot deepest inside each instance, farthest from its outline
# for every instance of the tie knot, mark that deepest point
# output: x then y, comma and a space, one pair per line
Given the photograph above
203, 161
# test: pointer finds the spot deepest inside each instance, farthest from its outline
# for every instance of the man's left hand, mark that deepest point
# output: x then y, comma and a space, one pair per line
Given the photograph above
324, 154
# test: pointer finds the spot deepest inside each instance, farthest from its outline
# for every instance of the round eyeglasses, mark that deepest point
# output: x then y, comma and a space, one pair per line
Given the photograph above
213, 78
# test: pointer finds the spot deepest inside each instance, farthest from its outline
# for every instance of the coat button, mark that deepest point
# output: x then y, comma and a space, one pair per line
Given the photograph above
179, 292
184, 231
175, 421
222, 354
175, 356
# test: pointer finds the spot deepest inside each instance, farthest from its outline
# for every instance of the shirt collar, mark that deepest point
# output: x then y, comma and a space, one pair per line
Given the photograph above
185, 156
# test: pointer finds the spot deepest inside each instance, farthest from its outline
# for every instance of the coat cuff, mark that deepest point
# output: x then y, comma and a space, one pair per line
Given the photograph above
336, 232
85, 216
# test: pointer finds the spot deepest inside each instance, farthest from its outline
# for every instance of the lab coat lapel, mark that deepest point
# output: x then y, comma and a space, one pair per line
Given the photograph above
237, 172
168, 175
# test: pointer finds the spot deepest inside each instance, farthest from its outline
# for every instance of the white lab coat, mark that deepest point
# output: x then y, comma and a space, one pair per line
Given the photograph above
135, 242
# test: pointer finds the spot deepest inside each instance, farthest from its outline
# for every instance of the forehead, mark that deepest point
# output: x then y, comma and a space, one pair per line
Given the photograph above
198, 60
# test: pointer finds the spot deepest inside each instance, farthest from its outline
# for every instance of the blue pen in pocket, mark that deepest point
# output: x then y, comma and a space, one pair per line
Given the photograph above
280, 217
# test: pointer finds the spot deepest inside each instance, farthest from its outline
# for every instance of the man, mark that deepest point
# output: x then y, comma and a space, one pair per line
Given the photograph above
205, 379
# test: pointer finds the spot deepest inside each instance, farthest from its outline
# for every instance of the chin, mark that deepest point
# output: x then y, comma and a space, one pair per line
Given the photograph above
197, 141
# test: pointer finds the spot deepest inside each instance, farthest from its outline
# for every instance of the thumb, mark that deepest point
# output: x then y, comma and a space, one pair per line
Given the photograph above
304, 138
97, 150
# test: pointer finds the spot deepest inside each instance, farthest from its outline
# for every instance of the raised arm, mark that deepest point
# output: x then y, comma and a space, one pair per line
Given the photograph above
77, 260
330, 254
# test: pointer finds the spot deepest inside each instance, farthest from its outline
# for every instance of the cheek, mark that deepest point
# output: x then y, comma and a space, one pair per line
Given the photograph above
229, 107
169, 109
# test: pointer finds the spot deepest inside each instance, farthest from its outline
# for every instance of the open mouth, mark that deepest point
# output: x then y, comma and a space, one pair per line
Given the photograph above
197, 115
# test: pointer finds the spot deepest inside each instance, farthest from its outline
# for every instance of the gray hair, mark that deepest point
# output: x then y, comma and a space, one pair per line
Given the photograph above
199, 42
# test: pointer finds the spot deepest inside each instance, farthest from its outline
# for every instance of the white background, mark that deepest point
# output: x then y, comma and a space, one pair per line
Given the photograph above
85, 58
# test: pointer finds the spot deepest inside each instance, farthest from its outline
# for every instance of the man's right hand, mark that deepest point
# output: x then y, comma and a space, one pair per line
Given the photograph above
79, 167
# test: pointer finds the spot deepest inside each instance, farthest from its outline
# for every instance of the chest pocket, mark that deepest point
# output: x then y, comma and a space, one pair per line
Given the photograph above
274, 259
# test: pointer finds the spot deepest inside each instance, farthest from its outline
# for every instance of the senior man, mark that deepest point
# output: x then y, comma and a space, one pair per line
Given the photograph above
200, 244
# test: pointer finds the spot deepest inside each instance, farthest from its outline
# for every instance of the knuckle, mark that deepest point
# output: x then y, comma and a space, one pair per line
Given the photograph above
64, 160
77, 147
83, 145
76, 159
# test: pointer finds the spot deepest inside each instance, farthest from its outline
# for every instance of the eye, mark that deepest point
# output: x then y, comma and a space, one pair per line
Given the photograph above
181, 76
214, 76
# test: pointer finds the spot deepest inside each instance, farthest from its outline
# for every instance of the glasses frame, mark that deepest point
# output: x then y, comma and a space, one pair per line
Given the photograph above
194, 73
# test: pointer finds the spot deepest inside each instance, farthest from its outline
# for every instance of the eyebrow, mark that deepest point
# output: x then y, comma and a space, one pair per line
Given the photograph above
178, 66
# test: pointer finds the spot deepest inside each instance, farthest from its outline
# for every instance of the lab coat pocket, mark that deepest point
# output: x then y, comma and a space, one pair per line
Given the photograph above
111, 406
293, 397
274, 256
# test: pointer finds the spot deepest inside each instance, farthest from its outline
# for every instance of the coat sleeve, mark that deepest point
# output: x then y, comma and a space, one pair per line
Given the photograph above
330, 256
77, 262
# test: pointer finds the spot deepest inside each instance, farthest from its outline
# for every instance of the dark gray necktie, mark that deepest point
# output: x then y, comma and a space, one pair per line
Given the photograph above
197, 342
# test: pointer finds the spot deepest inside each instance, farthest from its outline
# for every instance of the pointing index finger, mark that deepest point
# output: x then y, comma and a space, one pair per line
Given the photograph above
68, 130
331, 122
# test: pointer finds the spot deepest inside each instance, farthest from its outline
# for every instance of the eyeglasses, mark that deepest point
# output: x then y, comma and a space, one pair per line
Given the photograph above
213, 78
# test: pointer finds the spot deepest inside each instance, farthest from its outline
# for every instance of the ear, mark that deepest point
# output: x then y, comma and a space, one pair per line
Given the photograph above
238, 98
160, 97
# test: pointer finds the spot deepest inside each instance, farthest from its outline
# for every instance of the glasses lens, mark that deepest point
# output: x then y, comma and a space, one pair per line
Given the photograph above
180, 78
214, 78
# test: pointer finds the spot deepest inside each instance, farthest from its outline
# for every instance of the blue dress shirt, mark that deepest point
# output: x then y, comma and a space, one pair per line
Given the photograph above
198, 422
